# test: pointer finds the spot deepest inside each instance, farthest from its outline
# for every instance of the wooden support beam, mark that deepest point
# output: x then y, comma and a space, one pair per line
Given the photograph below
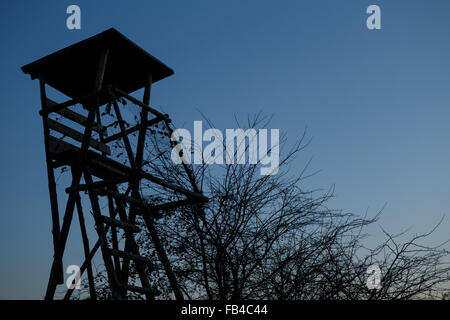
126, 141
97, 184
80, 119
56, 275
86, 248
121, 197
76, 117
147, 208
123, 225
57, 146
142, 105
173, 187
131, 130
144, 117
144, 205
58, 107
187, 168
78, 136
167, 206
163, 258
163, 183
131, 256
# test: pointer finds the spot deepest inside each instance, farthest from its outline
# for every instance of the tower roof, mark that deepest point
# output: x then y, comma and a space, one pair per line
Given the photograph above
73, 70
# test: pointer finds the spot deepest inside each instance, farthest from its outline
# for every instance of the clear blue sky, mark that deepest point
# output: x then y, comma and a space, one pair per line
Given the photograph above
376, 103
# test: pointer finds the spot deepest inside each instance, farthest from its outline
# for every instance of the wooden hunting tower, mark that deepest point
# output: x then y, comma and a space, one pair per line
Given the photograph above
96, 73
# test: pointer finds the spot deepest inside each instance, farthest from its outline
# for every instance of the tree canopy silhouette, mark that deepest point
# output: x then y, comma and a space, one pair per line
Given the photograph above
269, 237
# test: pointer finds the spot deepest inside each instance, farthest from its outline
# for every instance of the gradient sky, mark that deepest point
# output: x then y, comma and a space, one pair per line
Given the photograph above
376, 103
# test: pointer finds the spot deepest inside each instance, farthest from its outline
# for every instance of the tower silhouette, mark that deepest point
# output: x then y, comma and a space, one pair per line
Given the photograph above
98, 73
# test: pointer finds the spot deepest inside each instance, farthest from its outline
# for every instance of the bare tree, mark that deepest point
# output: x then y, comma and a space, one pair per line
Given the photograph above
268, 237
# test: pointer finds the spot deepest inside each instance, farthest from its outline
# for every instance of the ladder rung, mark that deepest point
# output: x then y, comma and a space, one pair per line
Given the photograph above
130, 256
120, 224
153, 292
